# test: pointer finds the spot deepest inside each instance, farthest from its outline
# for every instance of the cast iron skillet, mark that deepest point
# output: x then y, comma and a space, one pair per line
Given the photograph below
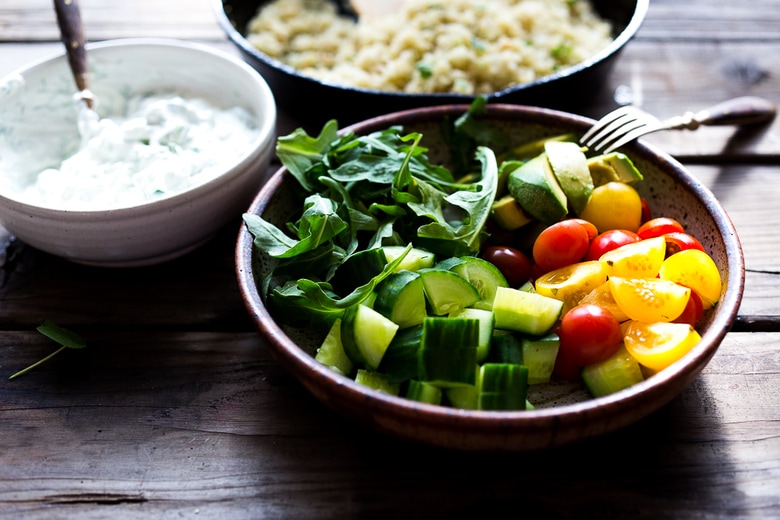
314, 101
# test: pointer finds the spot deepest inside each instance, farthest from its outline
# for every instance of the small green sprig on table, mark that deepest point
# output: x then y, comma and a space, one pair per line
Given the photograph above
66, 338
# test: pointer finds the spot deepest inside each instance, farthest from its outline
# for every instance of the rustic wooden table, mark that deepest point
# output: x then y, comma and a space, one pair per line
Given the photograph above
177, 410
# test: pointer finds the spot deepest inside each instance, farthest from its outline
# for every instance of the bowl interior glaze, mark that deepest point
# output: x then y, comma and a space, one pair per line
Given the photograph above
564, 413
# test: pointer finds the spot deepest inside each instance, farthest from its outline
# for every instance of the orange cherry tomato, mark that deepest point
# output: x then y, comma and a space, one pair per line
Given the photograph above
659, 226
561, 244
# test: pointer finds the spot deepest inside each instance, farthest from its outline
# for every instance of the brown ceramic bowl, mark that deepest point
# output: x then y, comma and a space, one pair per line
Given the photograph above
561, 416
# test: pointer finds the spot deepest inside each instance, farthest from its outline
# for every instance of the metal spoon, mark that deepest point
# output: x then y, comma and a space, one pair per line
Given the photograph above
72, 31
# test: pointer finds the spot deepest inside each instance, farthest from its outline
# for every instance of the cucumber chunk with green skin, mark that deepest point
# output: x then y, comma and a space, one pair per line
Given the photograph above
401, 360
415, 260
423, 392
448, 351
539, 357
483, 275
506, 347
447, 291
331, 352
376, 381
615, 373
401, 298
502, 386
485, 318
366, 334
529, 313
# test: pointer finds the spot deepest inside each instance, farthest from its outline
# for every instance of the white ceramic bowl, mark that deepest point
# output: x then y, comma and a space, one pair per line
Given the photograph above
37, 105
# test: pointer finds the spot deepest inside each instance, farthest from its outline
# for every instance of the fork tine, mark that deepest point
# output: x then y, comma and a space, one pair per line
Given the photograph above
633, 134
608, 132
634, 127
604, 121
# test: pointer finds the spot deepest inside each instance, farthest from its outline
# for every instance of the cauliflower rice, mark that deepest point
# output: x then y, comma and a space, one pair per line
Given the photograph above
461, 46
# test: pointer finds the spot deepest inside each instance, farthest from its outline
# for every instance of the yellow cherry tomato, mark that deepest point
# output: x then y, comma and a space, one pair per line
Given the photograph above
649, 300
602, 296
614, 205
641, 259
658, 345
697, 270
571, 283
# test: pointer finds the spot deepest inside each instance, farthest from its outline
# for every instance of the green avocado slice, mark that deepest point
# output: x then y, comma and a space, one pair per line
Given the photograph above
570, 167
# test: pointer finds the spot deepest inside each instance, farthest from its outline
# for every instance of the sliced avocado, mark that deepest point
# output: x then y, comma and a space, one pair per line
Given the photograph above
535, 188
533, 148
614, 166
570, 167
508, 214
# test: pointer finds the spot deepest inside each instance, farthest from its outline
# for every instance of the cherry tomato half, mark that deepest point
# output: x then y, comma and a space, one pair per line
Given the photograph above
659, 226
678, 241
609, 240
561, 244
692, 312
589, 334
513, 263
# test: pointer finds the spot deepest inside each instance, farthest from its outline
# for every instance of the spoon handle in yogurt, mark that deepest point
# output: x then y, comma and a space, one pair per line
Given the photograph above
72, 31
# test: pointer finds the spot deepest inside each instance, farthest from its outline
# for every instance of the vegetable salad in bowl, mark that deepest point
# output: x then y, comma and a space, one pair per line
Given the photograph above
462, 266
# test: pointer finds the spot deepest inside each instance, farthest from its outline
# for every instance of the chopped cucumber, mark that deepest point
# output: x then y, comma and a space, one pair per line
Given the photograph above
366, 334
415, 260
331, 352
448, 351
376, 381
539, 357
503, 386
401, 298
615, 373
423, 392
447, 291
525, 312
506, 347
483, 275
485, 319
401, 359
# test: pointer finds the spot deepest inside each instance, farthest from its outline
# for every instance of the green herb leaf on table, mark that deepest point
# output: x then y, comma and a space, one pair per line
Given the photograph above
65, 337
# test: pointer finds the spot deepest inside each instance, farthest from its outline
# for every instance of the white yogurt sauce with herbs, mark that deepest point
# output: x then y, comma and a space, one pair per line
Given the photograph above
164, 145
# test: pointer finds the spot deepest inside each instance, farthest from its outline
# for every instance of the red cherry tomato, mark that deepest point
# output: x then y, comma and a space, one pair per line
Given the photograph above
590, 228
589, 334
609, 240
513, 263
659, 226
692, 312
647, 214
561, 244
678, 241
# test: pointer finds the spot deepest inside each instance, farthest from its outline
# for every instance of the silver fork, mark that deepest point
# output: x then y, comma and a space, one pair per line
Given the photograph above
628, 123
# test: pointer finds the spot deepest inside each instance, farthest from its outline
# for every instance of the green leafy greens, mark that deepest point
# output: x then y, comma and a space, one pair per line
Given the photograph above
359, 193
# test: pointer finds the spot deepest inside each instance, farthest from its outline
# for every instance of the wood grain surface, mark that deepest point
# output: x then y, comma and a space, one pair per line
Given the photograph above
178, 410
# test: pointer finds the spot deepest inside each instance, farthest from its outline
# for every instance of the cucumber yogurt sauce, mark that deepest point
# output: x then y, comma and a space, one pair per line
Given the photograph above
161, 145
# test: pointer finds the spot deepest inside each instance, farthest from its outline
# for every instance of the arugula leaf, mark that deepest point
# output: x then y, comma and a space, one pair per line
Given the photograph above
300, 153
476, 205
308, 300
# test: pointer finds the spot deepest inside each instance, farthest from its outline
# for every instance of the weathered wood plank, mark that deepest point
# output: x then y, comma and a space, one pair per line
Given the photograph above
214, 420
